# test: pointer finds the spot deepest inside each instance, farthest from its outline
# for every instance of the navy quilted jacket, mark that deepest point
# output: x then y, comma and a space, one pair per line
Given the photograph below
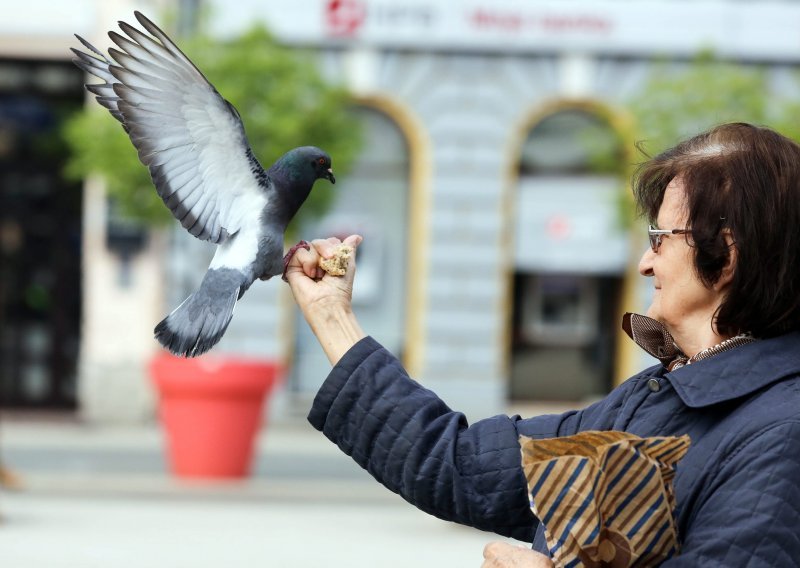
737, 488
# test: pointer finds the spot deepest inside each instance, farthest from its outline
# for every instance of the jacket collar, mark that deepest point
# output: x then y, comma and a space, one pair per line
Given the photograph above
738, 372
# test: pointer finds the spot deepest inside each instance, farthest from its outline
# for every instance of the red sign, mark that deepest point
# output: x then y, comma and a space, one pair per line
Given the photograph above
558, 227
344, 17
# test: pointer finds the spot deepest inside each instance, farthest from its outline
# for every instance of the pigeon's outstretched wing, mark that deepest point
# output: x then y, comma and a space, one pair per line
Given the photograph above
190, 138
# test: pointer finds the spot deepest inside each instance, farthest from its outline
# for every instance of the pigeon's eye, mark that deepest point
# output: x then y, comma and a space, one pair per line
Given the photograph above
321, 161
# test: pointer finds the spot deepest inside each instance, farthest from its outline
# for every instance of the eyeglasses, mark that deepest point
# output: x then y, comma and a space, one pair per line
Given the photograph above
656, 235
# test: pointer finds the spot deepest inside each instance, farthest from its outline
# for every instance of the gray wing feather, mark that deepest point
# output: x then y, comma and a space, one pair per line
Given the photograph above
98, 66
190, 138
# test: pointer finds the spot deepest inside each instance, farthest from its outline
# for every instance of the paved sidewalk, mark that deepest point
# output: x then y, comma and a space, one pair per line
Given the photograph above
102, 497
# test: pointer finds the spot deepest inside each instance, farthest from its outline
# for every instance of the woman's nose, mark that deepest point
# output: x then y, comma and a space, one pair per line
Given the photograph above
646, 262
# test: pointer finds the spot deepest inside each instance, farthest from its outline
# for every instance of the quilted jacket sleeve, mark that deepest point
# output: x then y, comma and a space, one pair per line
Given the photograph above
410, 441
751, 514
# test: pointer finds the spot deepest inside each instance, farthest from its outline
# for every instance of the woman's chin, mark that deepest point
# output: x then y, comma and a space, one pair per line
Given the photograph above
654, 313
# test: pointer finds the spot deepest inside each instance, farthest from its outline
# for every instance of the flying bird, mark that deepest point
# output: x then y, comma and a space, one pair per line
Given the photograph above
193, 142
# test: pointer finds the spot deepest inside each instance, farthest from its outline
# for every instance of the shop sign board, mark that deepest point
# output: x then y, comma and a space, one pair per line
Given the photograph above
757, 30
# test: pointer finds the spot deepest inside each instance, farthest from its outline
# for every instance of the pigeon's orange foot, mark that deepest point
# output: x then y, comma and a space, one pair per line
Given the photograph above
287, 258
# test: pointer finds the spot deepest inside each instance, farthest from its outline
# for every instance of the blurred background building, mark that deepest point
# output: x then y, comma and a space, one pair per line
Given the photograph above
490, 190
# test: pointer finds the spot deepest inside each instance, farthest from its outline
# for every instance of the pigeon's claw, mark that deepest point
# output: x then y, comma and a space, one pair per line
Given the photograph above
287, 258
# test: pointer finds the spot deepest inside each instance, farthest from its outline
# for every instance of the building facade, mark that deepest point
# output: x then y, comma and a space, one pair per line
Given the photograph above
495, 262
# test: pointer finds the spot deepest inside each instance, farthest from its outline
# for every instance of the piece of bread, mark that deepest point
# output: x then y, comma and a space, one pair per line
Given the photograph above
337, 264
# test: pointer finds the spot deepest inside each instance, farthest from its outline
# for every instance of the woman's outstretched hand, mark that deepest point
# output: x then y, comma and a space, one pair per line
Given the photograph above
325, 300
310, 284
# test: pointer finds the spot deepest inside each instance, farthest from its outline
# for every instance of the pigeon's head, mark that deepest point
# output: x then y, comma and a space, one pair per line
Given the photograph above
308, 163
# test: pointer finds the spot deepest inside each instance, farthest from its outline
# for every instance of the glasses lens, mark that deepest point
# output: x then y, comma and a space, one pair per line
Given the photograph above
655, 240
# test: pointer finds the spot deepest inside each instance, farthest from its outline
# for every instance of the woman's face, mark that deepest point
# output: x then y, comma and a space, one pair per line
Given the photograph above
680, 300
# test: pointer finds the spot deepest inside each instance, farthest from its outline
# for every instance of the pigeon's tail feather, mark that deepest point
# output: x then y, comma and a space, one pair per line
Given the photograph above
200, 321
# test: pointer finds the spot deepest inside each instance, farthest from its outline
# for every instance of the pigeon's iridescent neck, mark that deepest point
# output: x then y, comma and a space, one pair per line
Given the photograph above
290, 186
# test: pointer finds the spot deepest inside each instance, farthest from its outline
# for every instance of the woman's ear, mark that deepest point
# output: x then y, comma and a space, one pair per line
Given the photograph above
726, 275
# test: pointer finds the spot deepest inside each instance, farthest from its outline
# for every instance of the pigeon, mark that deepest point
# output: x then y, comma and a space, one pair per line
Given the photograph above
193, 142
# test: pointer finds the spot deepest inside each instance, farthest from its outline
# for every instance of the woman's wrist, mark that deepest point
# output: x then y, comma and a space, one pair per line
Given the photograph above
336, 328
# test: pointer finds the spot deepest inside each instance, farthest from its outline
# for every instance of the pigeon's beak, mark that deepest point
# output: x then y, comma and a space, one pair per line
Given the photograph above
329, 175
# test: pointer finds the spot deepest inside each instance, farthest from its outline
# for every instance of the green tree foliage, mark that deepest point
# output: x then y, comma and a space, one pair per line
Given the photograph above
280, 94
680, 100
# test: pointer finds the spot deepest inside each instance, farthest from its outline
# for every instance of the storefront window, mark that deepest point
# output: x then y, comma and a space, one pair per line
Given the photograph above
570, 254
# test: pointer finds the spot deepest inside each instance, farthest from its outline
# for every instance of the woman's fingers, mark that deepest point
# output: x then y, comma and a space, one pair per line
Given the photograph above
353, 240
308, 261
325, 247
504, 555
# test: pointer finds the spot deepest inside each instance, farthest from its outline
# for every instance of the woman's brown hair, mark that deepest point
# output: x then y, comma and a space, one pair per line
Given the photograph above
744, 179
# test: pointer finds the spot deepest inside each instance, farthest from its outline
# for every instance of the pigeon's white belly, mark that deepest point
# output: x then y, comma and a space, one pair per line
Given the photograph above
239, 251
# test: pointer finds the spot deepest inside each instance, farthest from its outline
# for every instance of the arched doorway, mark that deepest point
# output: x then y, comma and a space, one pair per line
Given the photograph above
569, 258
372, 200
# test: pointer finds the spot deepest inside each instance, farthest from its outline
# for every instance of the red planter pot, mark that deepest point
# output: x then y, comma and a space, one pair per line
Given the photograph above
212, 409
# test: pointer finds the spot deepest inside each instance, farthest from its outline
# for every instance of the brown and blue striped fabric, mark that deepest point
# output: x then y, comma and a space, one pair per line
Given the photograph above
605, 498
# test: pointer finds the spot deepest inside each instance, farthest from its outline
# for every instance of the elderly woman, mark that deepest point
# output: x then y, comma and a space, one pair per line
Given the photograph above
724, 259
